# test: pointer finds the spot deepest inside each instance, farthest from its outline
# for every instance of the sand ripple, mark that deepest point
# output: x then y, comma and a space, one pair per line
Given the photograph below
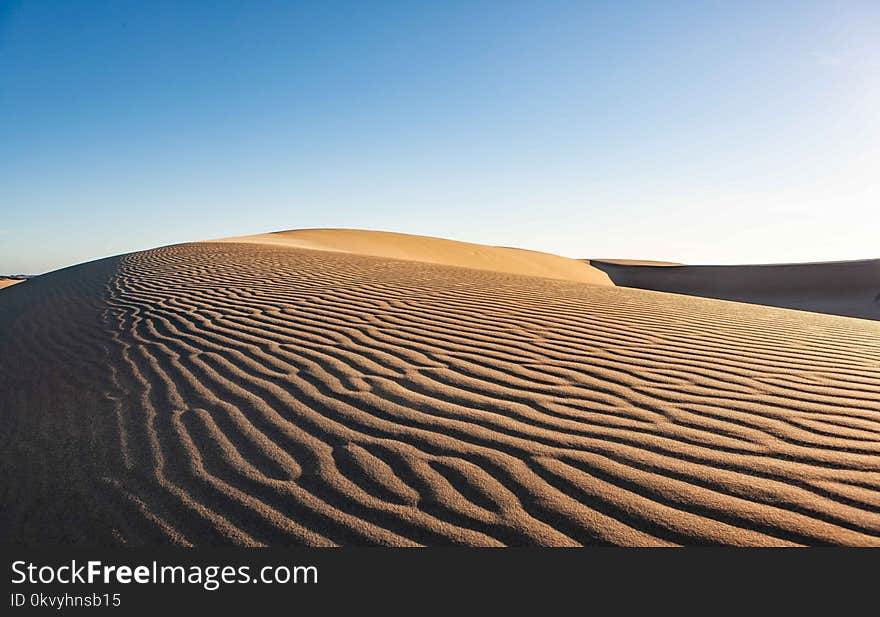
231, 393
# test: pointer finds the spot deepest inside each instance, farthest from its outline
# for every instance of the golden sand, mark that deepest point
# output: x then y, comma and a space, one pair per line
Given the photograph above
267, 394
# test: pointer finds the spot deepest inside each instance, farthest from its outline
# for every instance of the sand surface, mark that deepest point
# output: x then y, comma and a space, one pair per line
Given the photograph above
262, 394
850, 288
5, 282
433, 250
632, 262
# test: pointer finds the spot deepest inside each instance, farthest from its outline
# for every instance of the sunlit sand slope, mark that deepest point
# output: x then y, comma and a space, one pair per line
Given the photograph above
850, 288
218, 393
433, 250
5, 282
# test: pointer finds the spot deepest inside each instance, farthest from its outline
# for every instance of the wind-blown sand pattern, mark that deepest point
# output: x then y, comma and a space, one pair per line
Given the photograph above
849, 288
241, 393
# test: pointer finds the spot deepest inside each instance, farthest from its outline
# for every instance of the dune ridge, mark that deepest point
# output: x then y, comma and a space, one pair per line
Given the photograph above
251, 394
432, 250
848, 288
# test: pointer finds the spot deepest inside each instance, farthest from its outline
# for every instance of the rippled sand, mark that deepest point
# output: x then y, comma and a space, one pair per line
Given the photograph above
252, 393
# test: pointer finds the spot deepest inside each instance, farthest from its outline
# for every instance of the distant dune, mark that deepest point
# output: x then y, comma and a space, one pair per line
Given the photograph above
850, 288
7, 282
261, 393
633, 262
433, 250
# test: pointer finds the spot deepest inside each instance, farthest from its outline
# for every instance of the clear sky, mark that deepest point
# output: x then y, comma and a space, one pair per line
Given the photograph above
702, 132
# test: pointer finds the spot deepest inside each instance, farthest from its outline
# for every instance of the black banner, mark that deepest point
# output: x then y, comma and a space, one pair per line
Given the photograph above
133, 581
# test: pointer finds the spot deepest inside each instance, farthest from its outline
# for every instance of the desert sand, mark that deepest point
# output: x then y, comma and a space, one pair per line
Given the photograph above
632, 262
850, 288
432, 250
259, 392
7, 282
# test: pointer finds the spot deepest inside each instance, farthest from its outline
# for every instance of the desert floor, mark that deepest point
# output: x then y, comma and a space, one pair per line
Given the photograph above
276, 391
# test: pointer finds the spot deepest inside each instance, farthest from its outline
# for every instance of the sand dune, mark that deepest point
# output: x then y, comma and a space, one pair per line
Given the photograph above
5, 282
633, 262
850, 288
259, 394
433, 250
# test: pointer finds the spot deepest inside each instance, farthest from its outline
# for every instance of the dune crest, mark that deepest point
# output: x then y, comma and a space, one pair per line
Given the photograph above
633, 262
433, 250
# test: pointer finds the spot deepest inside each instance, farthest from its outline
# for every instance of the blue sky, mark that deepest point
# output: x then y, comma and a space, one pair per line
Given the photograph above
700, 132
